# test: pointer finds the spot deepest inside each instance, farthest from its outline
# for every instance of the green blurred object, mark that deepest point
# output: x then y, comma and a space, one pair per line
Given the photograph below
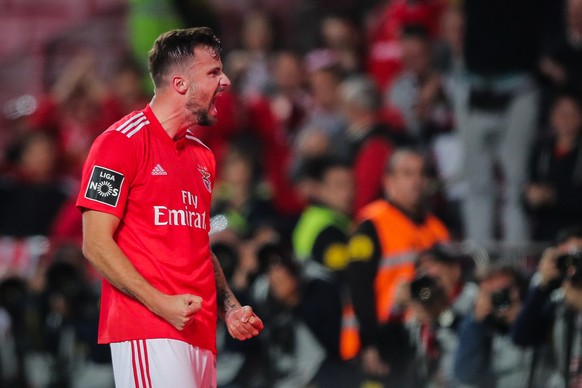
147, 19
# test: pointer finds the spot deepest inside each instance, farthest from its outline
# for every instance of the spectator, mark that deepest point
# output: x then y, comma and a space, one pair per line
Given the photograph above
325, 77
385, 51
497, 111
127, 90
15, 339
365, 142
389, 235
75, 111
416, 93
449, 46
32, 194
434, 328
287, 95
486, 355
554, 186
320, 237
341, 35
239, 364
240, 194
302, 316
446, 147
551, 316
251, 62
562, 60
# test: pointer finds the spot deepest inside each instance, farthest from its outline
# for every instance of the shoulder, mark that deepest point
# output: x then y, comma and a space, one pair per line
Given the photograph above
373, 210
124, 132
130, 125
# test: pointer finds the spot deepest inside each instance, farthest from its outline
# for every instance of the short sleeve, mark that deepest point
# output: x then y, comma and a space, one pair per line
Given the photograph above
108, 174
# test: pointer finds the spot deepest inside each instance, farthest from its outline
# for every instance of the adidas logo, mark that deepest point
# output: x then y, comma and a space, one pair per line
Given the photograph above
158, 170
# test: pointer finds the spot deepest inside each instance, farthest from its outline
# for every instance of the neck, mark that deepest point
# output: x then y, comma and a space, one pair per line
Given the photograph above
170, 117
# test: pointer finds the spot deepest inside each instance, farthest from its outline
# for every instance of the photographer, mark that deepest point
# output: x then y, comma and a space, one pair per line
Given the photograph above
486, 356
552, 312
440, 298
302, 323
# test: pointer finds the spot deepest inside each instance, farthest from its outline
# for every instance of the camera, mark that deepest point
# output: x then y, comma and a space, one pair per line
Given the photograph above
426, 290
571, 261
501, 299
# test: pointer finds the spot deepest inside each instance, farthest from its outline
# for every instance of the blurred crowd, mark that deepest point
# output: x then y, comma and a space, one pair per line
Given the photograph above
370, 157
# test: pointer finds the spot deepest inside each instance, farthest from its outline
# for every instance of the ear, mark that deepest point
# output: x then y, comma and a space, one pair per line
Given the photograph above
179, 84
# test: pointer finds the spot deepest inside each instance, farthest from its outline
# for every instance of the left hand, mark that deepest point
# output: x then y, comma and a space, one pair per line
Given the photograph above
242, 323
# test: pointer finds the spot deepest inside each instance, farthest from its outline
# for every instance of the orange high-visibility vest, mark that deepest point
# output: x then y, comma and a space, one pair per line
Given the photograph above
400, 242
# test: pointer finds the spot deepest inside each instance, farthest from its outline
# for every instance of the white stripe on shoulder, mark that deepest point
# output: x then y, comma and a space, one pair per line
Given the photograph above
136, 130
190, 136
133, 125
129, 121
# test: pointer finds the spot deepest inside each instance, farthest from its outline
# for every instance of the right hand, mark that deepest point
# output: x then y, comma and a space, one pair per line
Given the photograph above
178, 310
547, 267
372, 363
539, 194
483, 305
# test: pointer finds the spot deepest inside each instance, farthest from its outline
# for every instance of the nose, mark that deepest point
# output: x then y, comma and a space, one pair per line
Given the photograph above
224, 81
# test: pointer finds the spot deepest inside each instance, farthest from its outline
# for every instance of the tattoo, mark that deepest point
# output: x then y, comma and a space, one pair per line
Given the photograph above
128, 292
125, 290
225, 299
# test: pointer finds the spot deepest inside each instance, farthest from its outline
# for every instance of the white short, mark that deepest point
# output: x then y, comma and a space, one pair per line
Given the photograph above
162, 363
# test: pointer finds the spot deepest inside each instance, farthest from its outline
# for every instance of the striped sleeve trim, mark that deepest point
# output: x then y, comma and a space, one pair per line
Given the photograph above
133, 125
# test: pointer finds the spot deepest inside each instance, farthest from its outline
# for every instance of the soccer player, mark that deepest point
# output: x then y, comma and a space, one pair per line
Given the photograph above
145, 197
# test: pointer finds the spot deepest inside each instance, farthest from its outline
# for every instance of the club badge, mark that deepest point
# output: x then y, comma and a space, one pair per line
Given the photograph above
205, 178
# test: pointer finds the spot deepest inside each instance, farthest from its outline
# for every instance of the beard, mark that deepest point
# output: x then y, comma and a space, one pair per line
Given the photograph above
201, 114
204, 118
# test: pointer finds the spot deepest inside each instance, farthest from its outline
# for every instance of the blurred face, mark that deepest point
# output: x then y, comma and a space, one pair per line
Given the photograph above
338, 33
337, 189
416, 55
204, 80
288, 72
497, 283
127, 85
572, 244
453, 27
324, 87
282, 284
39, 158
257, 35
448, 276
237, 170
407, 183
566, 118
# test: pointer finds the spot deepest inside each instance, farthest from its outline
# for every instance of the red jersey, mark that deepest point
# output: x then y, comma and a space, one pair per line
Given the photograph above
160, 189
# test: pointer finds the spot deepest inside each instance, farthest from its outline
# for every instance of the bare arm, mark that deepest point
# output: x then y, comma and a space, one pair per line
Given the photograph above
225, 299
106, 256
242, 323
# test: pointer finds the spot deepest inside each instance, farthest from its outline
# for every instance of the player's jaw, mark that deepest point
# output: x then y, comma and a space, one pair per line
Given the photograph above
205, 116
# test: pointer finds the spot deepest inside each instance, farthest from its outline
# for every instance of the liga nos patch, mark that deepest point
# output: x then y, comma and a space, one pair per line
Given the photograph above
104, 186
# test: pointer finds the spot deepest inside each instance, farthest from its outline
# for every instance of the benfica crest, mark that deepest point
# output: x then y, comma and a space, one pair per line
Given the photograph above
205, 178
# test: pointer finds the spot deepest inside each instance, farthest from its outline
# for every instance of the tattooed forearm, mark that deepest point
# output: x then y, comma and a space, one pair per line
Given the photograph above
225, 299
128, 292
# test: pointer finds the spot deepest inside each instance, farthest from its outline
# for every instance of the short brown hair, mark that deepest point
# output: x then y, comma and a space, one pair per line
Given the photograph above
176, 46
